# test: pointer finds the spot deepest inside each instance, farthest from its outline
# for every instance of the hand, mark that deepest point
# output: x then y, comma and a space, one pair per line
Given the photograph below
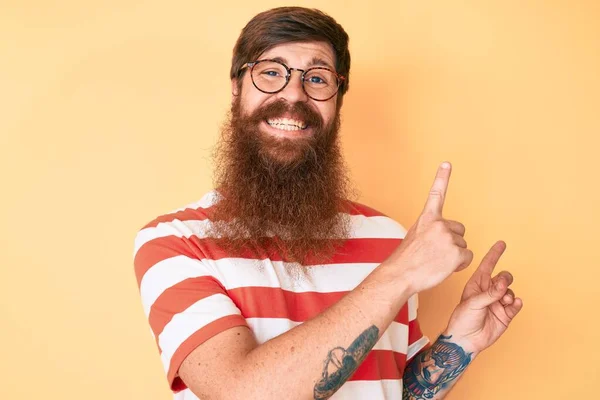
433, 247
487, 306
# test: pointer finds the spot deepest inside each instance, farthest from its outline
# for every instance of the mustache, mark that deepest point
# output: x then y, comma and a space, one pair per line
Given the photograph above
298, 110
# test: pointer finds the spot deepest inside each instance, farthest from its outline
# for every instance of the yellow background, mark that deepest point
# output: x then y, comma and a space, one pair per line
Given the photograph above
109, 110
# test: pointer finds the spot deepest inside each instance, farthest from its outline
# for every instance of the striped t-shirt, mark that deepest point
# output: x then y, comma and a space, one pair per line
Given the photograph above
192, 290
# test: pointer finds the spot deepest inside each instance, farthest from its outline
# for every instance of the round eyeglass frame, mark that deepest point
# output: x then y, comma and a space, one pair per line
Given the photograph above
251, 65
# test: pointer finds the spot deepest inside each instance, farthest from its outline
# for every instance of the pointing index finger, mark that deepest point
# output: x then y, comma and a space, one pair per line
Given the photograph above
437, 194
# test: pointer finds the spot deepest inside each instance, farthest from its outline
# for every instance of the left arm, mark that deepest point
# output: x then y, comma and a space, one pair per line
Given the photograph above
486, 309
432, 372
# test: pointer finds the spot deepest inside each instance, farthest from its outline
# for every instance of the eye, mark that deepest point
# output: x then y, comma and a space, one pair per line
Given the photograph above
316, 79
272, 73
319, 77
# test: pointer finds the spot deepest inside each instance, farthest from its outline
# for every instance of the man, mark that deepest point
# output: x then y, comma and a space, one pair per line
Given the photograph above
275, 285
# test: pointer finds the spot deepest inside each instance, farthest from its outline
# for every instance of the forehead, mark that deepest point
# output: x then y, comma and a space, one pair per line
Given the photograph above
302, 54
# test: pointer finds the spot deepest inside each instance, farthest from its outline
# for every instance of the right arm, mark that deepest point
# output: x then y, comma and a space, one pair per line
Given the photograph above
312, 360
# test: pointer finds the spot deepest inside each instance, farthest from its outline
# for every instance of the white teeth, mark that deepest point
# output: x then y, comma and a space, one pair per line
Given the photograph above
286, 124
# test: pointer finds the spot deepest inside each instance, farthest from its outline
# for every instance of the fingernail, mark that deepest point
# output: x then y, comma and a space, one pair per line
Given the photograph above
445, 165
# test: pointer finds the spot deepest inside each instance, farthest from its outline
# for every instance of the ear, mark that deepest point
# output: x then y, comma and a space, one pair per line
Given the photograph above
235, 89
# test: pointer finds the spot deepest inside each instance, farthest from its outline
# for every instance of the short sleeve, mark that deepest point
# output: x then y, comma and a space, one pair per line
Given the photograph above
182, 297
416, 340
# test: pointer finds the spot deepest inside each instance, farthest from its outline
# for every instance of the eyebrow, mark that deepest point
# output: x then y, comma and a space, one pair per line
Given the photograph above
314, 62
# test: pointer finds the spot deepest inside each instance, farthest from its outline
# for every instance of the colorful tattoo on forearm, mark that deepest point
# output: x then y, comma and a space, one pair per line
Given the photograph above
340, 363
434, 369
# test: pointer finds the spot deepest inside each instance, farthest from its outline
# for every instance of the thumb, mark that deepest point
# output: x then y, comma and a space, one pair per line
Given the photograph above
486, 298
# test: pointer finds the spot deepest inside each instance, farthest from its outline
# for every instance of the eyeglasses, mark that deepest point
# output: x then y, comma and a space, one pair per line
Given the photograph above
272, 76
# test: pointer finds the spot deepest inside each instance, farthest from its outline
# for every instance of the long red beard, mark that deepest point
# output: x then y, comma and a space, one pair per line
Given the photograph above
295, 190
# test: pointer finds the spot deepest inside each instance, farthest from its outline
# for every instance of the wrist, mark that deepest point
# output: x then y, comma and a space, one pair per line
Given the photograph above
393, 285
464, 343
398, 275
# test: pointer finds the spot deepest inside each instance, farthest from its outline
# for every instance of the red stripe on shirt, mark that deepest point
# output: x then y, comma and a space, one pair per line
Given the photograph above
366, 250
414, 331
400, 362
180, 297
379, 364
160, 249
268, 302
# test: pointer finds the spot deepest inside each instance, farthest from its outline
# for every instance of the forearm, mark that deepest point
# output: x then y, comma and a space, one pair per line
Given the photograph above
433, 372
314, 359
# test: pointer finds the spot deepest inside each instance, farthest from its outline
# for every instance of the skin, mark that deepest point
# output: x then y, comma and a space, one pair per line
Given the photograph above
486, 309
313, 360
294, 55
273, 175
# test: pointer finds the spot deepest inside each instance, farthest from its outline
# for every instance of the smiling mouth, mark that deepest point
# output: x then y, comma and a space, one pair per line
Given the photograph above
287, 124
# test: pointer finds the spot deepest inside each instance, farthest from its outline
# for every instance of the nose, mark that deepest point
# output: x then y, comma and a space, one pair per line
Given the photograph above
293, 91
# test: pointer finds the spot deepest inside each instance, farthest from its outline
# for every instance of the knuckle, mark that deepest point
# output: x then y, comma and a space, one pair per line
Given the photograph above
449, 237
440, 226
457, 240
467, 257
470, 255
423, 219
456, 253
434, 192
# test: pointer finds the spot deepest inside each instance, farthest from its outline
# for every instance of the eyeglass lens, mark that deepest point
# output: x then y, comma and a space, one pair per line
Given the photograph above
270, 77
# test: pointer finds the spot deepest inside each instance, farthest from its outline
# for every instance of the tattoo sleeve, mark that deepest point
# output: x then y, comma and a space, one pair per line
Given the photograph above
341, 363
434, 369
